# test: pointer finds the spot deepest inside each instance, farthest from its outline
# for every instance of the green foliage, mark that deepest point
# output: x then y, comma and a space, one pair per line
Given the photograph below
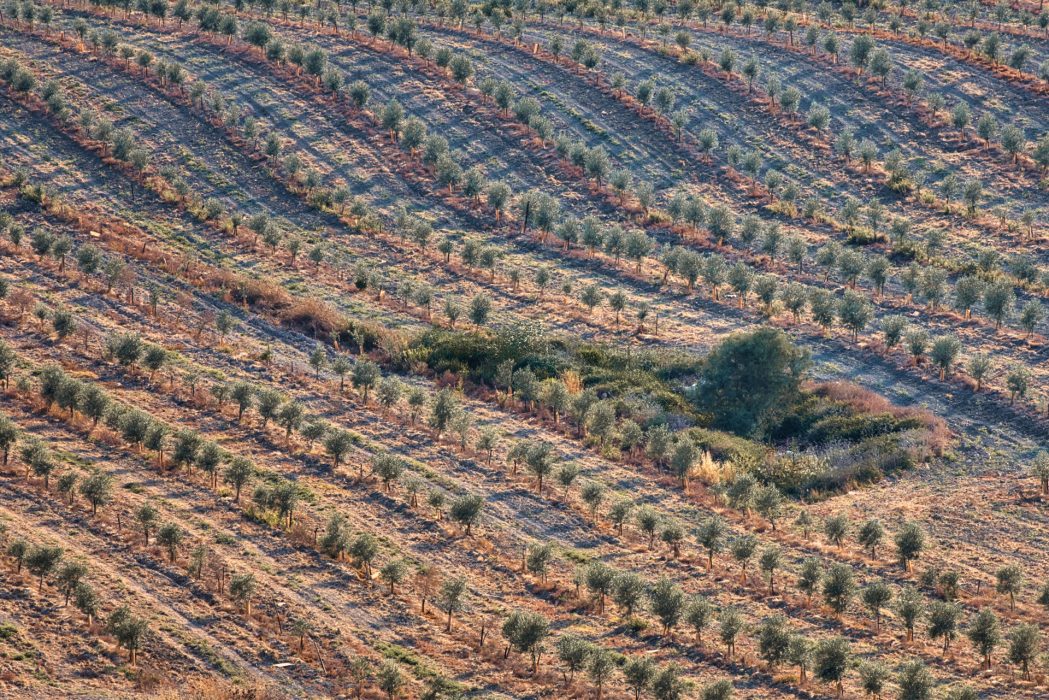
751, 381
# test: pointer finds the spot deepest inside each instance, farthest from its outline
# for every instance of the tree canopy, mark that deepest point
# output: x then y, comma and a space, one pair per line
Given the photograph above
751, 380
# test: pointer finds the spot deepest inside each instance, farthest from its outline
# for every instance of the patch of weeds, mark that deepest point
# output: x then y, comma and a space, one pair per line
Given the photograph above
204, 650
576, 556
574, 114
421, 469
635, 625
72, 459
861, 236
832, 366
268, 520
419, 668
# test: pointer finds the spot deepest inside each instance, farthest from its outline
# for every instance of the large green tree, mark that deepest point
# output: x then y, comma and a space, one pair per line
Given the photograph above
751, 380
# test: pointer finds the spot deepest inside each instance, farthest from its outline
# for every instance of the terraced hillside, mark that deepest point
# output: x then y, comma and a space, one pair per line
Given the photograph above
524, 349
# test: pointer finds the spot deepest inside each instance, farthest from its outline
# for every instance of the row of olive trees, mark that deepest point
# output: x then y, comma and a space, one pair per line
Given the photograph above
97, 489
43, 561
184, 448
997, 297
187, 449
828, 659
743, 494
524, 631
899, 175
172, 75
30, 13
281, 497
432, 149
838, 589
129, 350
283, 500
945, 24
412, 132
932, 284
546, 214
125, 348
863, 55
121, 143
48, 562
114, 271
837, 585
721, 223
941, 22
